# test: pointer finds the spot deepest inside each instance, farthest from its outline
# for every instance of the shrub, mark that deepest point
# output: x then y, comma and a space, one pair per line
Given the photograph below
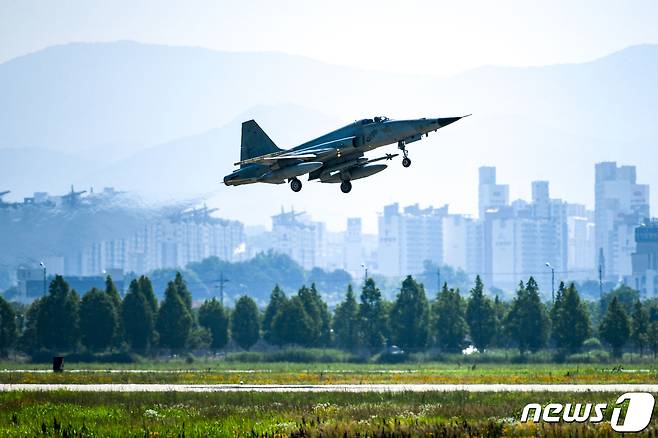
593, 356
592, 344
295, 355
44, 356
390, 358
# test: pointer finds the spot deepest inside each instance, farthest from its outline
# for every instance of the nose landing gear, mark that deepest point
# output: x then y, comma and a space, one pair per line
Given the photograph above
406, 162
345, 186
295, 185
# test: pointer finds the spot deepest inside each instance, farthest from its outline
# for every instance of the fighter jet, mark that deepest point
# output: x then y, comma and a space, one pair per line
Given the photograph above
336, 157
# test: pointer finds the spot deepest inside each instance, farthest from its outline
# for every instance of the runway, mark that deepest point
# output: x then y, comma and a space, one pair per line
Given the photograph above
368, 388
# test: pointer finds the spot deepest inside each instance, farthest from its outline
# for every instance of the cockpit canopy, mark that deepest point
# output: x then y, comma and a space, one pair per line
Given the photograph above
377, 119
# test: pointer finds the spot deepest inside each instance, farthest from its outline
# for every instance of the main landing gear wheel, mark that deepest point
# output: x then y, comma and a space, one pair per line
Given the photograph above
345, 186
406, 162
295, 185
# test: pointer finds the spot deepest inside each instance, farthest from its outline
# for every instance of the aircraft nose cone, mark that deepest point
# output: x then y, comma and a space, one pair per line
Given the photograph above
429, 125
445, 121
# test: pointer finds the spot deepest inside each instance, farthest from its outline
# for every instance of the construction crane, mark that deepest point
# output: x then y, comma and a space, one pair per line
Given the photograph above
72, 197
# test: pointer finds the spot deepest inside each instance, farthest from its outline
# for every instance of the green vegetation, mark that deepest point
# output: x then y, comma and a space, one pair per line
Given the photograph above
245, 324
450, 326
277, 300
102, 325
346, 321
570, 320
214, 318
98, 320
410, 317
292, 324
286, 414
7, 326
138, 315
269, 368
615, 327
175, 320
481, 317
524, 341
257, 275
640, 324
372, 318
58, 317
526, 321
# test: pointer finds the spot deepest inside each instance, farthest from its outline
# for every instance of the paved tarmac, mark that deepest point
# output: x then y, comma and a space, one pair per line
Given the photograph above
148, 387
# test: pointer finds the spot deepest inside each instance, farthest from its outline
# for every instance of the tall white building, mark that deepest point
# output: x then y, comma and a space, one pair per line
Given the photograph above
490, 194
520, 247
408, 238
520, 239
620, 206
334, 251
644, 277
463, 242
353, 250
582, 247
294, 234
167, 243
581, 254
541, 202
390, 241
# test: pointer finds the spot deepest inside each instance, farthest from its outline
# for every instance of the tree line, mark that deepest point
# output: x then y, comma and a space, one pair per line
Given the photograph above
101, 320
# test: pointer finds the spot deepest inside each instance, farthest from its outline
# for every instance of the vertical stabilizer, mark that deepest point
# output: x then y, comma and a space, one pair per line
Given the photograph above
255, 142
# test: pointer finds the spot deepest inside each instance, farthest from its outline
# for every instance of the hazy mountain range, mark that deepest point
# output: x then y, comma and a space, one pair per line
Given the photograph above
165, 121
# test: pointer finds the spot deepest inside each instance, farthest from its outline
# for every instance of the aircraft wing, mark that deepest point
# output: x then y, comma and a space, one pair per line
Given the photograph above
309, 153
283, 156
301, 154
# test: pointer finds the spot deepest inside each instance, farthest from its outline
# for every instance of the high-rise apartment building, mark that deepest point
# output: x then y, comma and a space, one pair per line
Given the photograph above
294, 234
645, 260
166, 243
408, 238
463, 242
353, 250
620, 206
520, 239
490, 194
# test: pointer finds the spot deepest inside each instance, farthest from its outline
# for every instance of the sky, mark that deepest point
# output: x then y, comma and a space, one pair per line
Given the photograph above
438, 38
426, 37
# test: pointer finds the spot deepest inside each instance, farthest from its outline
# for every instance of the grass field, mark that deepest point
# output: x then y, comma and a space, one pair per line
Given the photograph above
262, 414
208, 372
68, 414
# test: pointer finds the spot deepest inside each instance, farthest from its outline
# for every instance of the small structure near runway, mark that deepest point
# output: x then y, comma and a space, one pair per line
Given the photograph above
58, 364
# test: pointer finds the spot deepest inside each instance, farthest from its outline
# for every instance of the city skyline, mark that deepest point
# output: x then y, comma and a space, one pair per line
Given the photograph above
508, 241
369, 224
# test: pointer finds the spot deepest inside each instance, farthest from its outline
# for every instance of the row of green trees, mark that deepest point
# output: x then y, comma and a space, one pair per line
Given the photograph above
451, 322
101, 320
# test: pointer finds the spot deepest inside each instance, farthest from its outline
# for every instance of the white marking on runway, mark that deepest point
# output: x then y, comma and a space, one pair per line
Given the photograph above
148, 387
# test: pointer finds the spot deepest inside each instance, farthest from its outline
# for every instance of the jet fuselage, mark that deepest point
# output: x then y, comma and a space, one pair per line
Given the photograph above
334, 157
